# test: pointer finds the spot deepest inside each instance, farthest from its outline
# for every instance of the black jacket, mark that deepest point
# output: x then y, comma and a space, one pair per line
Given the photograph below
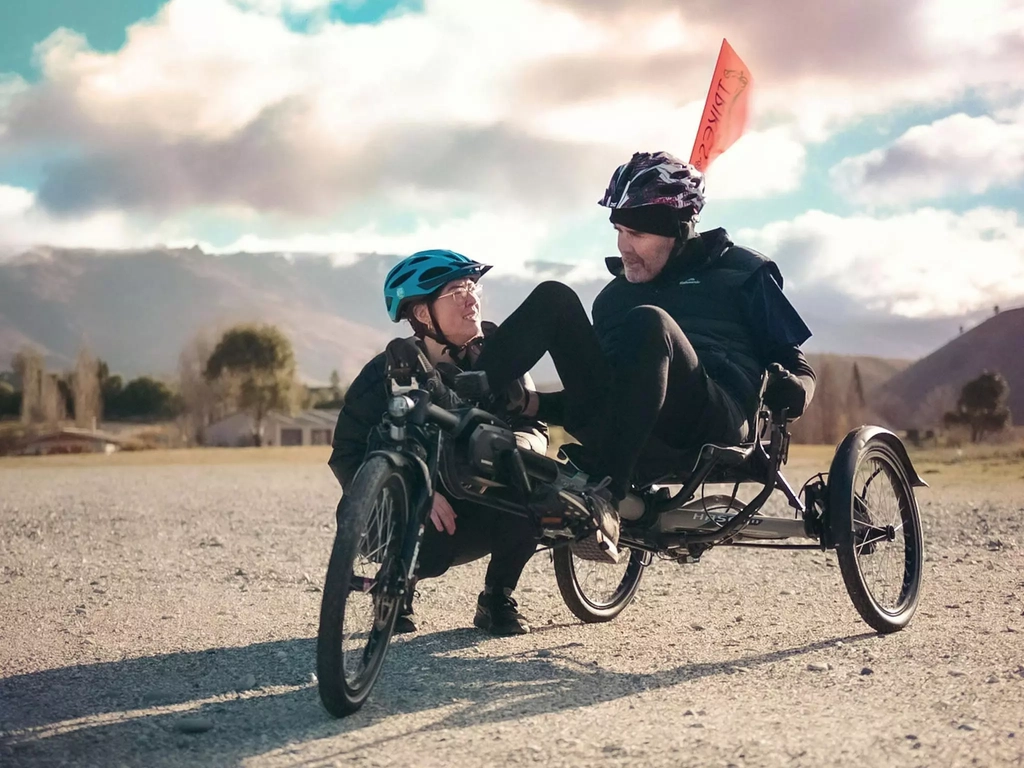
365, 403
728, 302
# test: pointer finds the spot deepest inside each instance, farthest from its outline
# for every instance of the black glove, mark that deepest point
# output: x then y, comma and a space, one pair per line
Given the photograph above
785, 391
406, 362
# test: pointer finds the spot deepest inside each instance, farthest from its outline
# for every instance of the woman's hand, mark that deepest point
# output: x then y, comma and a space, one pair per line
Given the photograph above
442, 515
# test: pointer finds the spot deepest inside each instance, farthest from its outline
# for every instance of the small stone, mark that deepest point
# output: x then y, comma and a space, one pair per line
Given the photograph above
817, 666
911, 737
246, 683
992, 679
313, 678
193, 725
957, 673
544, 653
697, 627
967, 727
867, 671
689, 713
786, 592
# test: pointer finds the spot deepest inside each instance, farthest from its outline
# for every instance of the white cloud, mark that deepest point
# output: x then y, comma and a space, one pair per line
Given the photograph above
759, 165
24, 224
14, 201
955, 155
928, 263
510, 251
223, 89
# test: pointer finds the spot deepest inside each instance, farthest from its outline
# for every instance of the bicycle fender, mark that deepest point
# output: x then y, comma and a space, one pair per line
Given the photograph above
845, 459
413, 464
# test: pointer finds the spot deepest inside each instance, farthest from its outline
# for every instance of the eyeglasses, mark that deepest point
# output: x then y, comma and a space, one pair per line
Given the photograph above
463, 292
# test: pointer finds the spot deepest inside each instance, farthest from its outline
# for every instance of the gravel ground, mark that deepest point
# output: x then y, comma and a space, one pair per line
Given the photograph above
166, 616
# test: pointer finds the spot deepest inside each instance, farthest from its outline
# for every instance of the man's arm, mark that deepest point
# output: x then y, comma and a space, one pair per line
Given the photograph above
780, 331
792, 359
365, 403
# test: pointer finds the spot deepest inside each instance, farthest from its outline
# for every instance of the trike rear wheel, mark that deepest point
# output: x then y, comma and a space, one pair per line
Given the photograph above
875, 524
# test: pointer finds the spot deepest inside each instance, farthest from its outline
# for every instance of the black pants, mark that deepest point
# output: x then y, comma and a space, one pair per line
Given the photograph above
479, 531
656, 388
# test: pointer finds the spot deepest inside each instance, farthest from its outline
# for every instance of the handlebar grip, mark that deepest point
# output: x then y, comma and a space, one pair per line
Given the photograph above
442, 417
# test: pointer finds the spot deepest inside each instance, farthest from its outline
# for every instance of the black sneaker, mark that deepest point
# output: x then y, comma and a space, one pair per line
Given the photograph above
405, 623
498, 613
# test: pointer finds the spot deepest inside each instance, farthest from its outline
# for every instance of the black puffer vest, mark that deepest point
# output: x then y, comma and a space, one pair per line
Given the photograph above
700, 289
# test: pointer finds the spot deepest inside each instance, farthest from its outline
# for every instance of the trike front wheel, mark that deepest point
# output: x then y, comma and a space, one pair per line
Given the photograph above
596, 591
360, 600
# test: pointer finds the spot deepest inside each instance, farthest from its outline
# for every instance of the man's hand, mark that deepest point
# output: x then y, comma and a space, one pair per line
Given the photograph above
442, 515
785, 391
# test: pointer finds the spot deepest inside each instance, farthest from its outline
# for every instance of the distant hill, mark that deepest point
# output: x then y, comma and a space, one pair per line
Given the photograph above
136, 309
874, 371
919, 395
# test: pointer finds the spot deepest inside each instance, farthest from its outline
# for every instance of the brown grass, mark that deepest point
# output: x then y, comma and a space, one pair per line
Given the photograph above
316, 454
938, 466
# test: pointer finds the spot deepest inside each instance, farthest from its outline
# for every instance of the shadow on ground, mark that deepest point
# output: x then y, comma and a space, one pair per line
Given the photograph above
116, 713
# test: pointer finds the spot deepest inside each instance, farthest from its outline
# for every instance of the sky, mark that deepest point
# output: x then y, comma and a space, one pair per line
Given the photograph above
882, 168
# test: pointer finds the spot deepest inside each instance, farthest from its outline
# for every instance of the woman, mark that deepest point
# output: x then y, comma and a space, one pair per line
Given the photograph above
438, 293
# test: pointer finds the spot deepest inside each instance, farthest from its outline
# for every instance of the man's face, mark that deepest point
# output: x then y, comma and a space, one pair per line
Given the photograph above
457, 309
643, 255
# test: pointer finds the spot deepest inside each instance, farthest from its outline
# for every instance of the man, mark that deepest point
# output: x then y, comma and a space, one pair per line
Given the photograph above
680, 341
438, 294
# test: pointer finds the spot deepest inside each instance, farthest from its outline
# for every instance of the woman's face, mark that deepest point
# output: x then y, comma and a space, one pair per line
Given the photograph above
643, 255
457, 309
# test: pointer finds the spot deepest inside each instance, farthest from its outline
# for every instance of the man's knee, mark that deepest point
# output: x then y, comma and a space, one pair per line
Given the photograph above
554, 293
647, 323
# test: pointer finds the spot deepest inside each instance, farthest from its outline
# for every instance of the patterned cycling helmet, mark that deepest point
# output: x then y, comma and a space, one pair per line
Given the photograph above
423, 274
655, 179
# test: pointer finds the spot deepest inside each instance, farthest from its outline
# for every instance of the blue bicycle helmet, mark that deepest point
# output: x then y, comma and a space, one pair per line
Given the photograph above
424, 273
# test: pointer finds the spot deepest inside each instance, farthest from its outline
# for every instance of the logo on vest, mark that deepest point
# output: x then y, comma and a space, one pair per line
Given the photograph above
690, 281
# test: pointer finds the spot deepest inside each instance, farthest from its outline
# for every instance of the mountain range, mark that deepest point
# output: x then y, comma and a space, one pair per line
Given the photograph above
137, 309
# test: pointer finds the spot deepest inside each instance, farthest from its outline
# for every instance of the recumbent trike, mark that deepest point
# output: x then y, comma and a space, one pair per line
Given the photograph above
864, 508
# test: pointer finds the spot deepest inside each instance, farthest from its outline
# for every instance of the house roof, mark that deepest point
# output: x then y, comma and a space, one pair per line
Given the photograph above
75, 433
314, 418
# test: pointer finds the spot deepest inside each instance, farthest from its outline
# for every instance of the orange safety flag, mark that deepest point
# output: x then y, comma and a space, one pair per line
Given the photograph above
725, 111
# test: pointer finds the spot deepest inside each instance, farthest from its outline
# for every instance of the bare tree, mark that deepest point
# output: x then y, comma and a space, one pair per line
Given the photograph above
203, 401
856, 405
85, 386
51, 402
28, 364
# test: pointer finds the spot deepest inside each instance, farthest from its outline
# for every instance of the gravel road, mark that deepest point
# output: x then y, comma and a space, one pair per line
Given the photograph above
166, 616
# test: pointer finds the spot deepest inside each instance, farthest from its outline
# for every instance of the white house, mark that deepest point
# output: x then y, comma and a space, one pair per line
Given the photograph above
312, 427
